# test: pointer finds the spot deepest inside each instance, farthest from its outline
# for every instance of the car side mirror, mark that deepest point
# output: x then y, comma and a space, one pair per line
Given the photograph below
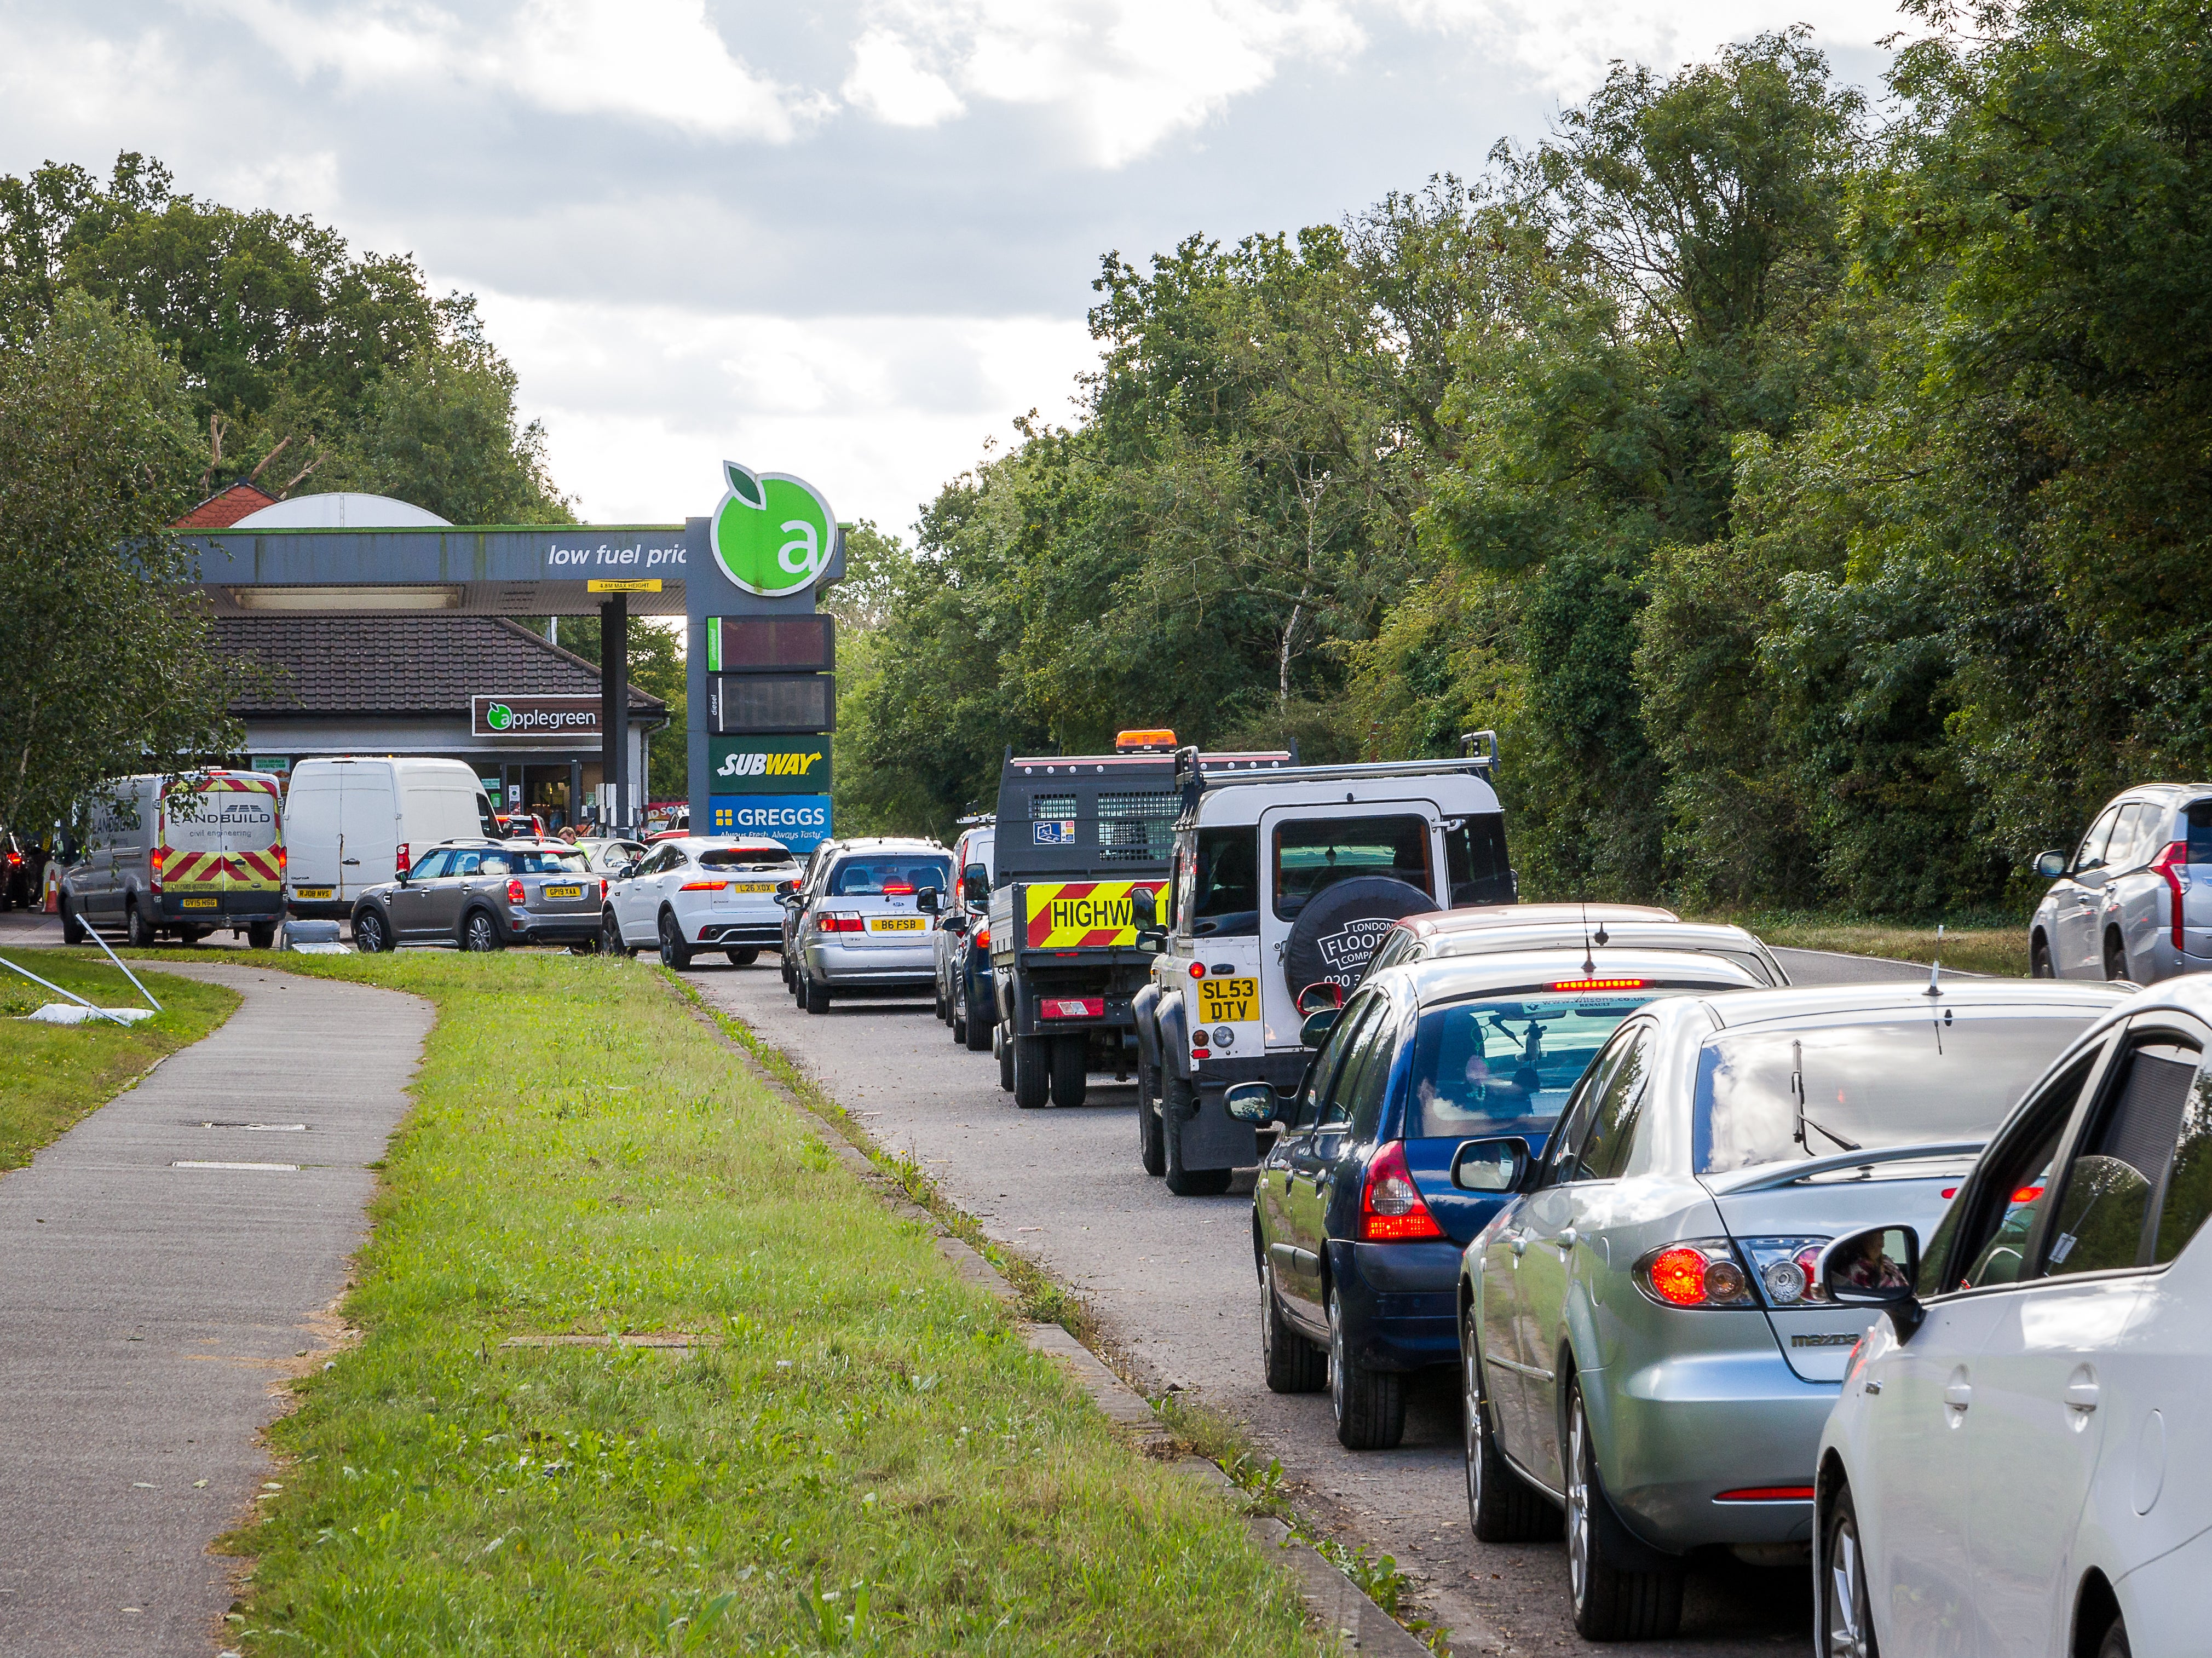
2051, 865
1878, 1268
1145, 908
786, 888
1322, 993
1252, 1102
1152, 940
1491, 1167
929, 900
975, 884
1315, 1031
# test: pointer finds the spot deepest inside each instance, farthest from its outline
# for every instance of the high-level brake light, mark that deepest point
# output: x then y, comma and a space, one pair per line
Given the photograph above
1391, 1210
1598, 984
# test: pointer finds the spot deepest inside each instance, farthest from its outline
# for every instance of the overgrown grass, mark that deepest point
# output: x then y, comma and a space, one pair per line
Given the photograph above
858, 1452
1999, 949
53, 1076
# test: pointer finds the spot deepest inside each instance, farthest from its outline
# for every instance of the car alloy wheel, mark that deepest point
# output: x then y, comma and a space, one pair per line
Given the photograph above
1578, 1509
368, 932
674, 951
1846, 1611
611, 939
1478, 1429
480, 931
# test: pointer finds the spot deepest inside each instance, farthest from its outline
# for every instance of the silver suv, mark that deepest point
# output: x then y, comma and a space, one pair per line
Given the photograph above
483, 894
858, 926
2134, 901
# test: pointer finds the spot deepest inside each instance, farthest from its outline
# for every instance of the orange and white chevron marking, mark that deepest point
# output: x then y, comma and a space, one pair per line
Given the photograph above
1083, 914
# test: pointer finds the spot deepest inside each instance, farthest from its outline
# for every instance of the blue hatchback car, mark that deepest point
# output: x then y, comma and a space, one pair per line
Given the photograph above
1357, 1228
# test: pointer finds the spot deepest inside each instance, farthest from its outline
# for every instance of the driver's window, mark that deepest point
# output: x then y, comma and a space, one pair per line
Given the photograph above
1574, 1121
1355, 1042
2091, 852
2108, 1210
431, 867
2009, 1199
1604, 1151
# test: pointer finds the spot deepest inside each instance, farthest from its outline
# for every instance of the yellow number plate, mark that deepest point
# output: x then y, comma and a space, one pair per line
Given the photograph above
199, 903
752, 886
311, 892
1228, 1001
896, 924
564, 892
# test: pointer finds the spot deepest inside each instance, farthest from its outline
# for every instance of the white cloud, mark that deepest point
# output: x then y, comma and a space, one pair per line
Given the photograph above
890, 82
642, 402
653, 60
1125, 75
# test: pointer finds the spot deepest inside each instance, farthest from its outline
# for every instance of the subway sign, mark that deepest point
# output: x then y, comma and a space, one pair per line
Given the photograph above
769, 765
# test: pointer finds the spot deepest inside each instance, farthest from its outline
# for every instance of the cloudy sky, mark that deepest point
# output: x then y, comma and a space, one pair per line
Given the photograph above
850, 239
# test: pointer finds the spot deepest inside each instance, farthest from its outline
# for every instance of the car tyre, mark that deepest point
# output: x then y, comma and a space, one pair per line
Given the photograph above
2115, 1643
976, 1021
1071, 1070
1611, 1602
138, 931
1002, 1045
1032, 1072
73, 931
1501, 1506
742, 958
938, 998
2038, 958
1369, 1405
817, 996
1846, 1605
611, 939
675, 950
262, 935
2116, 959
371, 936
1152, 1144
1175, 1111
1293, 1364
480, 931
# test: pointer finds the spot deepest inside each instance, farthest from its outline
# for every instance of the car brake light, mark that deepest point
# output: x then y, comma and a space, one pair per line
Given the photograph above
400, 862
15, 857
1598, 984
898, 888
603, 888
982, 937
2026, 1195
1767, 1494
702, 886
838, 920
515, 895
1198, 969
2173, 864
1695, 1273
1390, 1206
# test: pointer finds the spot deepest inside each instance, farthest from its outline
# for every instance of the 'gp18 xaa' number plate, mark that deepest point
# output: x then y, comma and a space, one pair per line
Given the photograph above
1228, 1001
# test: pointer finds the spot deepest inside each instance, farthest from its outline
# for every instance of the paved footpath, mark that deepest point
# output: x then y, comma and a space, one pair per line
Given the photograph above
150, 1311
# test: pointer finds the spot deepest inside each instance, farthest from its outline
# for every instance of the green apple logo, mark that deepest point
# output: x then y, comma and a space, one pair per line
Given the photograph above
773, 534
499, 716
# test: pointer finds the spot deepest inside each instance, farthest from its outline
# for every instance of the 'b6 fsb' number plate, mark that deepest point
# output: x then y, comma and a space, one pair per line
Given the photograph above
1228, 1001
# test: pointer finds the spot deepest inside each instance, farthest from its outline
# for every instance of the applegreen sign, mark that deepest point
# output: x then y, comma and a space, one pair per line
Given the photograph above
773, 534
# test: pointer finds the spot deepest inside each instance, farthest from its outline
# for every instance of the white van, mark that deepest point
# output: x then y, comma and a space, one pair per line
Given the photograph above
351, 823
179, 858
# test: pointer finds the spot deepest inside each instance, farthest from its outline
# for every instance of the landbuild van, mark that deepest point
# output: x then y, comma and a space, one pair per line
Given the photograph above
354, 823
180, 858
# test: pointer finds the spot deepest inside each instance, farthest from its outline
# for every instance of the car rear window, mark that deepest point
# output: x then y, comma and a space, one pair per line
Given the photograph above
888, 872
2200, 831
748, 858
522, 860
1508, 1061
1225, 886
1314, 854
1868, 1085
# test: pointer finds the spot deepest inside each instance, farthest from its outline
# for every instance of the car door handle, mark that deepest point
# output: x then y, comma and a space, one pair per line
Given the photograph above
2082, 1396
350, 863
1959, 1394
1567, 1239
1518, 1244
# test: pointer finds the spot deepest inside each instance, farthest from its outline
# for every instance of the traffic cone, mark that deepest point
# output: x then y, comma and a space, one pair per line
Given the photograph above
53, 901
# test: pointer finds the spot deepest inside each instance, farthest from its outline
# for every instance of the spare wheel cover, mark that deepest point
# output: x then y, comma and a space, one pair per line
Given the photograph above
1341, 927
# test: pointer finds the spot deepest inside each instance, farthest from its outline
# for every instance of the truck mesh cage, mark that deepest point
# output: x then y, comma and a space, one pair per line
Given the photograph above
1137, 828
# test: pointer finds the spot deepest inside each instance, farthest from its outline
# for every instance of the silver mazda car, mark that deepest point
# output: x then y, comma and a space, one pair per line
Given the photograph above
1644, 1343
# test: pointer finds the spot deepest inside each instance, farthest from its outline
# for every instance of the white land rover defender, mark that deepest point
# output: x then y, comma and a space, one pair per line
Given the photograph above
1280, 886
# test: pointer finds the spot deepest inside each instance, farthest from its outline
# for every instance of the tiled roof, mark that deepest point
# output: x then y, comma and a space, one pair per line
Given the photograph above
225, 507
403, 663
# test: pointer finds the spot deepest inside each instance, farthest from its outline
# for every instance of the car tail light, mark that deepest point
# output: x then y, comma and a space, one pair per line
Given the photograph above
1391, 1210
2173, 863
1598, 984
1767, 1494
702, 886
14, 858
603, 888
1072, 1007
515, 895
1788, 1269
1198, 969
982, 937
841, 921
154, 868
400, 862
1695, 1273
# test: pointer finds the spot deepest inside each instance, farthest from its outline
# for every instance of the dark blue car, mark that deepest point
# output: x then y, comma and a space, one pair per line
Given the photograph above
1357, 1228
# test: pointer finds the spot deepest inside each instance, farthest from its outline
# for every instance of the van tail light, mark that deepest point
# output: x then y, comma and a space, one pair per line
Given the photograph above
515, 895
841, 921
1695, 1273
401, 863
1391, 1210
154, 868
282, 862
2173, 864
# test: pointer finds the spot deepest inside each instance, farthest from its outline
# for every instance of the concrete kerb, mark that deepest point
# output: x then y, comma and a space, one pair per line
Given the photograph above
1333, 1600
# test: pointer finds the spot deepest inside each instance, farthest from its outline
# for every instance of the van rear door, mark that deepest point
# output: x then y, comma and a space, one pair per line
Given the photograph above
312, 824
369, 834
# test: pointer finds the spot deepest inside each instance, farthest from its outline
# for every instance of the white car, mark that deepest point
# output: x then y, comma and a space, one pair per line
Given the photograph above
700, 893
2021, 1460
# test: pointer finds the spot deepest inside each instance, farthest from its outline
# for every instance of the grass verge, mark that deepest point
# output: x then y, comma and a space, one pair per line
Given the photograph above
1973, 946
53, 1076
857, 1452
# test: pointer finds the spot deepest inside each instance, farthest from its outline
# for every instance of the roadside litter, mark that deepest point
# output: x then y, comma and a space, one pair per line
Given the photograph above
314, 938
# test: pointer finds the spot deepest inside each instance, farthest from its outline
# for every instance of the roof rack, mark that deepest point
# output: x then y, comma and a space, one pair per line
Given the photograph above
1191, 771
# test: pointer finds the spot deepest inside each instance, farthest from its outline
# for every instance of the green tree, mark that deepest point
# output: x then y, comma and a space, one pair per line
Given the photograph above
108, 652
